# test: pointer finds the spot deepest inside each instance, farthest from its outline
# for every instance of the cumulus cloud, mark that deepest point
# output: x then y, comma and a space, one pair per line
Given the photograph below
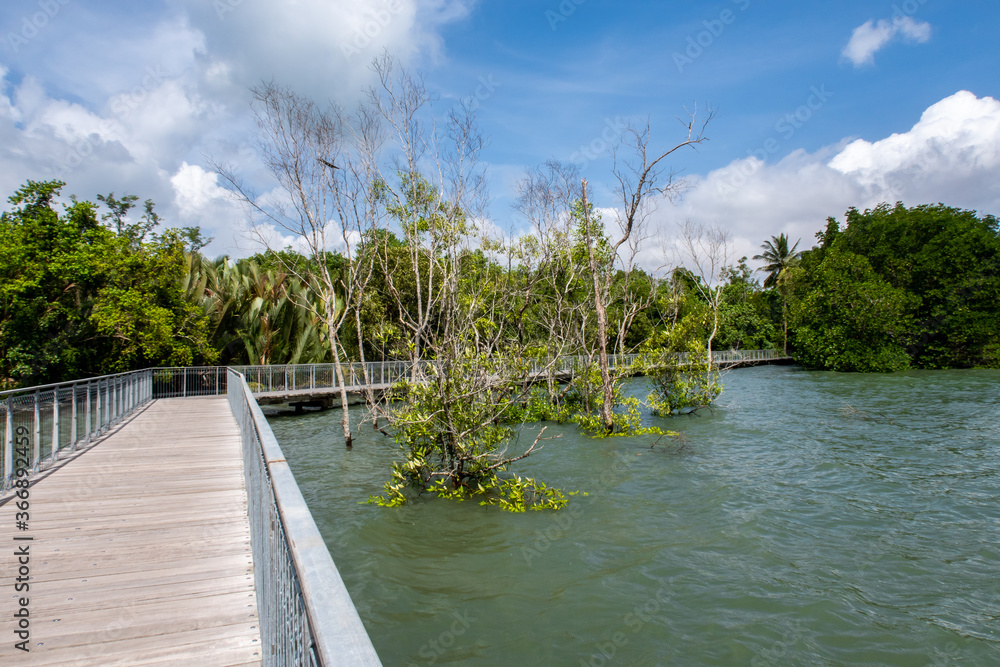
195, 188
871, 36
145, 114
951, 155
321, 48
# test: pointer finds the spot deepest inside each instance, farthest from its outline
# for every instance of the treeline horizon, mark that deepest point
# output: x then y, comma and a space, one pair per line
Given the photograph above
95, 290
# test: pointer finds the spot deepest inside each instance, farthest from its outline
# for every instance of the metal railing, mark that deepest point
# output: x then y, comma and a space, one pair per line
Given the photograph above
282, 378
184, 381
306, 614
293, 377
42, 424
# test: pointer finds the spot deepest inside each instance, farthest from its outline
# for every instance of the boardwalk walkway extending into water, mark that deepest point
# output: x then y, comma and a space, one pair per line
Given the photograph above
140, 549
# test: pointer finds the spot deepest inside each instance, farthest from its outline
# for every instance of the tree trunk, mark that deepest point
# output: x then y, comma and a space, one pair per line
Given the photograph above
345, 419
715, 328
607, 407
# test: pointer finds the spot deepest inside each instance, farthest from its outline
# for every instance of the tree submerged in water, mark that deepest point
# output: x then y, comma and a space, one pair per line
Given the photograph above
683, 382
455, 439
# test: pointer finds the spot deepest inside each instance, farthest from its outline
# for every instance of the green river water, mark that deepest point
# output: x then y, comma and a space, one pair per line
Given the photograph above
788, 530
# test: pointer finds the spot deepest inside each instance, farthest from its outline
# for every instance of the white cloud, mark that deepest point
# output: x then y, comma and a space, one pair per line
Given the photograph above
146, 113
194, 189
951, 156
321, 48
870, 37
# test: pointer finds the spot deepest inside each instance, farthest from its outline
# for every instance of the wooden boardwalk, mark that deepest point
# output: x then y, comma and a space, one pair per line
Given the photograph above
140, 550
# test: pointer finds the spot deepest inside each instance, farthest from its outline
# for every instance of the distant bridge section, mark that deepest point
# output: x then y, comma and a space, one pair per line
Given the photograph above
316, 385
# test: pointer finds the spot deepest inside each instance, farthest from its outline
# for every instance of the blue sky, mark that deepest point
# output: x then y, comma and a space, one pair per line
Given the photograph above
138, 97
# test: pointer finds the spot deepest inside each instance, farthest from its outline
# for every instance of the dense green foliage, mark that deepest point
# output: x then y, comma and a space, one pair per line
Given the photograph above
78, 297
898, 288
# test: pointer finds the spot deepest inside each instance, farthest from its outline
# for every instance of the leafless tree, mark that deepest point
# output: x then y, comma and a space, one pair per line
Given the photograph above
324, 161
551, 277
707, 251
640, 185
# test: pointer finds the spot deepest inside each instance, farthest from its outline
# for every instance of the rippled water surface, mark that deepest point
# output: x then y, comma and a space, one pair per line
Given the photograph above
812, 519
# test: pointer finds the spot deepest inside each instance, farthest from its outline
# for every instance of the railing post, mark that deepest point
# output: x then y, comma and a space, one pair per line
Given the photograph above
55, 422
98, 409
72, 419
36, 448
86, 417
8, 442
105, 407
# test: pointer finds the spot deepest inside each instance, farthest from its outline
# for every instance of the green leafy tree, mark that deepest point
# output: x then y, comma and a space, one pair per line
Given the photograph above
78, 297
851, 319
744, 319
948, 259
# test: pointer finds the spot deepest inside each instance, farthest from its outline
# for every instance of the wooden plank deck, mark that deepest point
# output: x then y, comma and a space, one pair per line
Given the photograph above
140, 550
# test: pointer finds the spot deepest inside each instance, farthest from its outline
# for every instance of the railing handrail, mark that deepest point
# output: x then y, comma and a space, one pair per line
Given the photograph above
337, 633
69, 383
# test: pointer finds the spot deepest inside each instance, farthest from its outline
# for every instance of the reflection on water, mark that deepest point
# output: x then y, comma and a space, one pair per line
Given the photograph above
814, 518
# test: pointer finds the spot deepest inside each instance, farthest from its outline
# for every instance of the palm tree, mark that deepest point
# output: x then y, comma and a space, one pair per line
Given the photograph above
780, 258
